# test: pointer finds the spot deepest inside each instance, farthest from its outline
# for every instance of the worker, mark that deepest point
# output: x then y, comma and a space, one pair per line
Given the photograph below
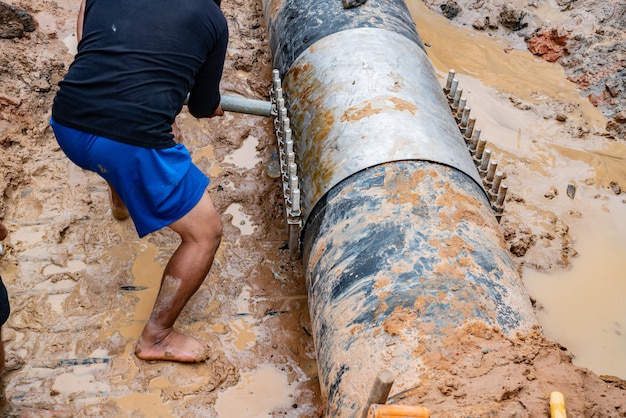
114, 114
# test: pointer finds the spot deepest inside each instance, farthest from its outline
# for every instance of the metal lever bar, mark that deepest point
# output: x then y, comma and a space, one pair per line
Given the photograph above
244, 105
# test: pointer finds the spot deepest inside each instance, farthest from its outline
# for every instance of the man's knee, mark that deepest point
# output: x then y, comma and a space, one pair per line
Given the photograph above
203, 224
215, 227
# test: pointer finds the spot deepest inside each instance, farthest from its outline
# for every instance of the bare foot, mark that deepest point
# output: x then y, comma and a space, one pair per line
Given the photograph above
174, 347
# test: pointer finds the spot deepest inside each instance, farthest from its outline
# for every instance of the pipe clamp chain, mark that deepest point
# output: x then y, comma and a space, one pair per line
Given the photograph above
288, 164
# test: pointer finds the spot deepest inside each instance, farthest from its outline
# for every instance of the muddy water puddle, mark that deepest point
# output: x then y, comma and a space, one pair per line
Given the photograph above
258, 394
583, 308
581, 305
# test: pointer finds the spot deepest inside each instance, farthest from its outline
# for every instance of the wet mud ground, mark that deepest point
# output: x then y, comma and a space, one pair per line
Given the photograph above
82, 284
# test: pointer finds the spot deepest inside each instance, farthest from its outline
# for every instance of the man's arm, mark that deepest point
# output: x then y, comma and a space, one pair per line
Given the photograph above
204, 98
79, 21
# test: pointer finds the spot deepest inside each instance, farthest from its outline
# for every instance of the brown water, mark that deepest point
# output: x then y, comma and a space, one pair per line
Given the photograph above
581, 306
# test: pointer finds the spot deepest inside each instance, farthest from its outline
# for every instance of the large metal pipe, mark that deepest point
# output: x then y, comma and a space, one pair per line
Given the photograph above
399, 241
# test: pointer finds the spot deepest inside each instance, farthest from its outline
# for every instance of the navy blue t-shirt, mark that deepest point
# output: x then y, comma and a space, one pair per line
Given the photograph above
136, 62
5, 308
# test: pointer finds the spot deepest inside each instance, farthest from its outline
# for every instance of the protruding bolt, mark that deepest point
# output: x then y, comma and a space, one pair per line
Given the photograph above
295, 202
457, 98
474, 141
277, 94
467, 132
279, 122
501, 196
448, 86
480, 148
491, 173
293, 175
498, 206
287, 135
453, 88
276, 83
290, 158
459, 111
495, 187
280, 105
484, 163
465, 117
282, 124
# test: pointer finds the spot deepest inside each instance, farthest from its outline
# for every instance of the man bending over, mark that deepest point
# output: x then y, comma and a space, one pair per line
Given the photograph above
114, 114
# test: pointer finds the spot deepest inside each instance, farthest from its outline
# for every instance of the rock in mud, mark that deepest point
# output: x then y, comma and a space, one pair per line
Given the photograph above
617, 125
512, 18
450, 9
14, 22
616, 84
550, 44
552, 193
615, 187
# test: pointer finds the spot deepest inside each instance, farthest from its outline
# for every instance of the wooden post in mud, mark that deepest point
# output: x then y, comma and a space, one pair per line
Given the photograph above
380, 390
400, 243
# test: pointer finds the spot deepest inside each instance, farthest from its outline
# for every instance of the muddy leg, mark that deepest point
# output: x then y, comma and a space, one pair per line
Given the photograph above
200, 231
117, 206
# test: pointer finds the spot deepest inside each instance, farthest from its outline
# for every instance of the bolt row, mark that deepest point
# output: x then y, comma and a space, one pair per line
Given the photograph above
287, 158
477, 146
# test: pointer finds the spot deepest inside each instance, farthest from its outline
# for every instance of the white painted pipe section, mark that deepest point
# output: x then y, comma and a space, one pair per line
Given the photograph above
388, 107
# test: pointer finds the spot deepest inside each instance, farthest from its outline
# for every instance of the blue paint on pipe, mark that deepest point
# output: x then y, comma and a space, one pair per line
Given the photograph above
395, 250
375, 249
298, 24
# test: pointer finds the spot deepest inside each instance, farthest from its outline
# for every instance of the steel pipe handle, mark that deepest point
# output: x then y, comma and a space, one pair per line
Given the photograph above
245, 105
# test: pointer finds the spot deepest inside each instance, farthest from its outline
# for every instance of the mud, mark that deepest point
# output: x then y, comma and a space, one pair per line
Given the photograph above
82, 284
585, 36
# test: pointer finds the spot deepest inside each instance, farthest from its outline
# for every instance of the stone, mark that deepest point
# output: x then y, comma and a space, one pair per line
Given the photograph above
512, 18
550, 44
14, 22
450, 9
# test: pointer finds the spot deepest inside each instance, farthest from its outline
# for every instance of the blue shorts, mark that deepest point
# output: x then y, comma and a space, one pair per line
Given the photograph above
158, 186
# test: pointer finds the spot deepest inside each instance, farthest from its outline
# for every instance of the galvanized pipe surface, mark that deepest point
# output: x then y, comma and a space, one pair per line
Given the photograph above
400, 243
363, 97
295, 25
